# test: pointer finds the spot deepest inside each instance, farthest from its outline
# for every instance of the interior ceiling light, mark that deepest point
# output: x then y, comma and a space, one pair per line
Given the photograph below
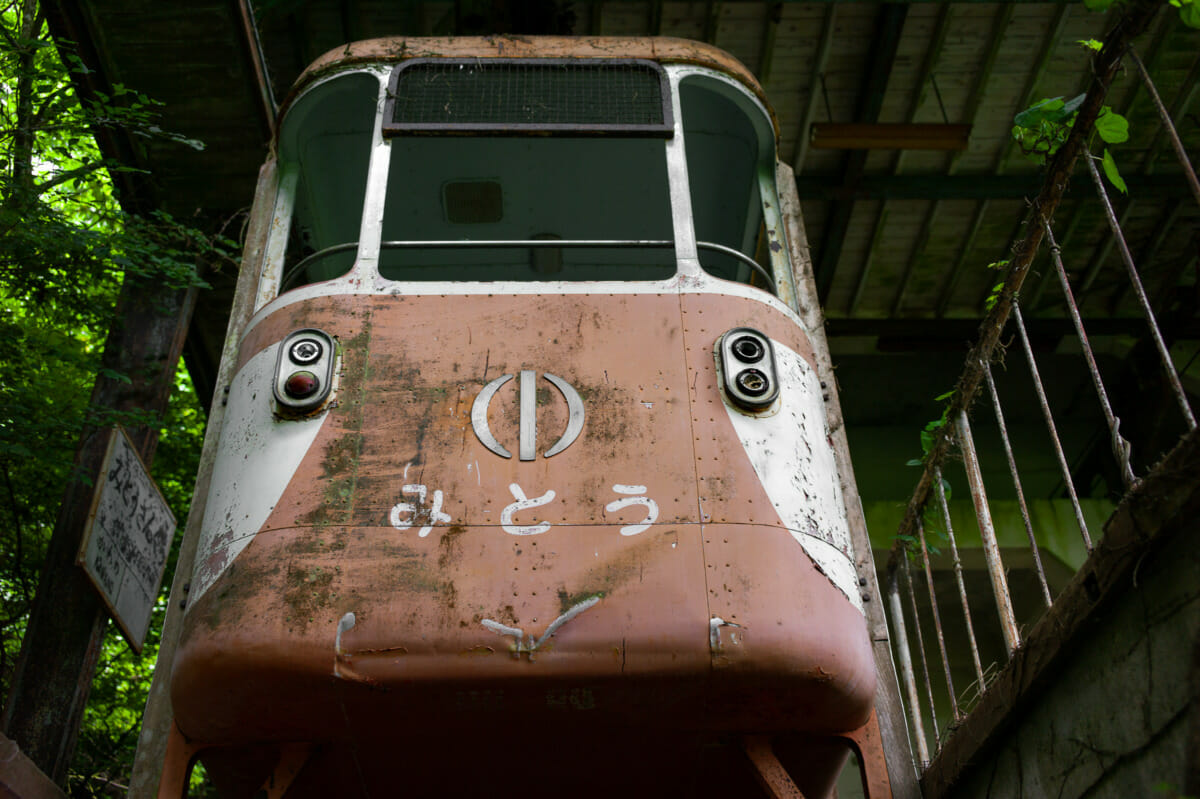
881, 136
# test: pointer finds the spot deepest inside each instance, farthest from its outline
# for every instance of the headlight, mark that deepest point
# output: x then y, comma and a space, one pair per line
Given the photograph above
748, 366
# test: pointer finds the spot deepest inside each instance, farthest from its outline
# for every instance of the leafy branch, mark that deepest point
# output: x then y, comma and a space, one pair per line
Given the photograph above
1043, 128
1189, 10
929, 438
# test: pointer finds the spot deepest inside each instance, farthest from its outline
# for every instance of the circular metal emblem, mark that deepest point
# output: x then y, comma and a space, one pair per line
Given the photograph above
528, 430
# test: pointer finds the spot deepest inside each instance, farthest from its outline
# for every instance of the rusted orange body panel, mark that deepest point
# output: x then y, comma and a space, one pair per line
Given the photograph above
712, 617
533, 505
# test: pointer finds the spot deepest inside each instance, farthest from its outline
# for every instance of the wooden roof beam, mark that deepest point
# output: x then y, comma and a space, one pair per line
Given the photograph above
770, 32
924, 80
861, 284
1003, 17
956, 271
1147, 167
888, 27
814, 95
1052, 36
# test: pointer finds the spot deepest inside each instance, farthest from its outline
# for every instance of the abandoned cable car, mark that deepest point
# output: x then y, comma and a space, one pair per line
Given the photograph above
523, 480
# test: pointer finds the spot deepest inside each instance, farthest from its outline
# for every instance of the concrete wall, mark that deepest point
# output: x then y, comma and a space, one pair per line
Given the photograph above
1116, 717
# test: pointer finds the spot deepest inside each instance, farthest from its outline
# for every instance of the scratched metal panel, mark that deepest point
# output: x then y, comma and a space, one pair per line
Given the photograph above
399, 515
404, 556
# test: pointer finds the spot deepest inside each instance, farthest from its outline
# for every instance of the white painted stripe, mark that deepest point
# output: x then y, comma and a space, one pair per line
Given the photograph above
790, 451
256, 460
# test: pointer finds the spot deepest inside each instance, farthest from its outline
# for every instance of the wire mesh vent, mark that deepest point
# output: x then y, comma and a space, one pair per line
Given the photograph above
574, 97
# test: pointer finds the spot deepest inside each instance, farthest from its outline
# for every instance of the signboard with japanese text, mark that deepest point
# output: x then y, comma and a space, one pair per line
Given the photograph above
127, 539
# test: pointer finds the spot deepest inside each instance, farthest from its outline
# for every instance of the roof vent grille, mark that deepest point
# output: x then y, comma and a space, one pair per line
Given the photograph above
580, 97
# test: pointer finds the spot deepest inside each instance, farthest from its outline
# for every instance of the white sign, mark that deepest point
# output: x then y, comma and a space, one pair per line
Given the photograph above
128, 536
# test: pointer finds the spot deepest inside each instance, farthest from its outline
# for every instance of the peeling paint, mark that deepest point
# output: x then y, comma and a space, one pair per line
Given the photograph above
714, 634
345, 624
796, 466
251, 470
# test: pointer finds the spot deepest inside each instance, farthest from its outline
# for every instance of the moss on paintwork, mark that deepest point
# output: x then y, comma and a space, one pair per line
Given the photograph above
340, 463
567, 601
450, 546
356, 373
605, 578
307, 594
234, 593
410, 571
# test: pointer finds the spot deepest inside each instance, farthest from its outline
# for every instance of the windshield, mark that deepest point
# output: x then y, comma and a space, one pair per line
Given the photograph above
523, 170
498, 189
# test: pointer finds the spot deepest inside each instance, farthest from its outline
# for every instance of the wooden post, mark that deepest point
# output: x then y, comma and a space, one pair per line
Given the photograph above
66, 627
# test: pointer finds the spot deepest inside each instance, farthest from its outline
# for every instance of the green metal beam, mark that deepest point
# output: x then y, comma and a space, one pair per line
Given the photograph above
938, 333
963, 187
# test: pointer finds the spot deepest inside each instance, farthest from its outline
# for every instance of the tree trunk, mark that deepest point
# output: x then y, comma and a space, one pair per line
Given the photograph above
66, 628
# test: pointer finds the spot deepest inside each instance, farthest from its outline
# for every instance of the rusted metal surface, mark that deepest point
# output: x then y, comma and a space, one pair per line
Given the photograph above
1120, 447
987, 533
1048, 415
171, 776
866, 743
259, 65
958, 574
519, 577
769, 772
907, 676
665, 50
937, 620
1168, 126
1020, 492
885, 135
1135, 281
912, 603
292, 760
655, 556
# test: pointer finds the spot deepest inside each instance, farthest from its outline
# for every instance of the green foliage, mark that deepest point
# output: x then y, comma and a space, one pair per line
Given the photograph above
1043, 128
65, 247
931, 519
1110, 172
994, 295
929, 433
1111, 127
1189, 12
